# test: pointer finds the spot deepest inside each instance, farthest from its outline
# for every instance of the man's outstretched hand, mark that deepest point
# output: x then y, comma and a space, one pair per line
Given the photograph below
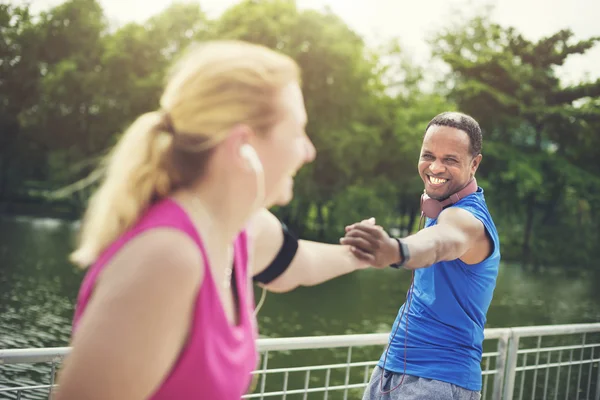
370, 243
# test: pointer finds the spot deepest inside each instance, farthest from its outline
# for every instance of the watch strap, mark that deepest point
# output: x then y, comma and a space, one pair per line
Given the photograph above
404, 254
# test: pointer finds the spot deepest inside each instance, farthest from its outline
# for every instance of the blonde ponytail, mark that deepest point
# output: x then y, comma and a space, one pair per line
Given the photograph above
135, 174
214, 87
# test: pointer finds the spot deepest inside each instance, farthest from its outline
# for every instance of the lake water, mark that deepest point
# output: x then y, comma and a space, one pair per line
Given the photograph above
38, 288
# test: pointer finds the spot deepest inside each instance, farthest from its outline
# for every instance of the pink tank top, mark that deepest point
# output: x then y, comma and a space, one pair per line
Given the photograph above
217, 360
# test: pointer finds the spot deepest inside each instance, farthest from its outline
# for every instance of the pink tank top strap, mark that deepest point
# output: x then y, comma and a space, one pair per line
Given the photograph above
165, 214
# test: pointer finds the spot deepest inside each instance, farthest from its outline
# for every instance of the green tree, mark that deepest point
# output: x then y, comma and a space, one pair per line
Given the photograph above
341, 93
70, 85
535, 131
19, 80
96, 82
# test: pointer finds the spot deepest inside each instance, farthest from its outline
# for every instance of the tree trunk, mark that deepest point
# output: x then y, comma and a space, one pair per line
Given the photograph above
538, 139
526, 251
400, 213
320, 232
413, 214
552, 204
3, 176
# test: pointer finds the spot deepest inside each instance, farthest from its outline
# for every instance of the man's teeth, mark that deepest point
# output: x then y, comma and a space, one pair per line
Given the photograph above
437, 181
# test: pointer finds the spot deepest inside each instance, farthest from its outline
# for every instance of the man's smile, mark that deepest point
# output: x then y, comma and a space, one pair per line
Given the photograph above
436, 182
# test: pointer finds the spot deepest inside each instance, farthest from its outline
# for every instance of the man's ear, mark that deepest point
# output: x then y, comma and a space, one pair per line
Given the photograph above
475, 163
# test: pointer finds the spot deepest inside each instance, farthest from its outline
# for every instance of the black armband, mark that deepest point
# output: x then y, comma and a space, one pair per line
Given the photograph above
283, 259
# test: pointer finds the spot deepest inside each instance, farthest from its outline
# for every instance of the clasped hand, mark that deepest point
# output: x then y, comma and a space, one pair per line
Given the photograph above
371, 244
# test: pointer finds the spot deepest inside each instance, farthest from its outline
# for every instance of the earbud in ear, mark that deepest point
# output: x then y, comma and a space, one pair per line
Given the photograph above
249, 154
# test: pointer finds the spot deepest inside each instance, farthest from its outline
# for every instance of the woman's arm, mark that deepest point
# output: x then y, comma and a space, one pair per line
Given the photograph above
136, 322
312, 264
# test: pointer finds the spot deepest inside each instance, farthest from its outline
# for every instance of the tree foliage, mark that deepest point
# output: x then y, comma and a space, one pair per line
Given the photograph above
541, 137
70, 83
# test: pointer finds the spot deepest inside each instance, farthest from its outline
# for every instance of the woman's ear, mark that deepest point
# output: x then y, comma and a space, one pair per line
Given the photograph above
239, 150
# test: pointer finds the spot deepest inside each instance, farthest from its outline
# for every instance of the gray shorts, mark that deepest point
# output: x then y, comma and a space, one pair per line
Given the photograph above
414, 388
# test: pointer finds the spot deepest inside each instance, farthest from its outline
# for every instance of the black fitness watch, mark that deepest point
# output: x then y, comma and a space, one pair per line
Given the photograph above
404, 254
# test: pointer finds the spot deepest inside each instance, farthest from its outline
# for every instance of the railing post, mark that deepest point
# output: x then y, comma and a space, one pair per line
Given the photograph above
511, 367
264, 377
598, 384
52, 378
500, 366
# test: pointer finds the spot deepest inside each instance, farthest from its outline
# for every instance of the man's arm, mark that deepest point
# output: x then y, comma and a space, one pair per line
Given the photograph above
312, 264
457, 235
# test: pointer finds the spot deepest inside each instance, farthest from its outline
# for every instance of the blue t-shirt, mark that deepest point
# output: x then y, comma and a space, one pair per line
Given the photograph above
448, 313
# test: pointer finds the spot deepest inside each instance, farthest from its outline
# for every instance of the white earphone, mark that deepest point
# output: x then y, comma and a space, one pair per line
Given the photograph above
248, 152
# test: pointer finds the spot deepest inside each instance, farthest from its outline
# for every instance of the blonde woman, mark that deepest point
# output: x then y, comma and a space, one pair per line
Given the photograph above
179, 228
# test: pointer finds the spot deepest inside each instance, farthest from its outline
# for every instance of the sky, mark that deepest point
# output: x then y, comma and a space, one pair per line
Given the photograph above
413, 21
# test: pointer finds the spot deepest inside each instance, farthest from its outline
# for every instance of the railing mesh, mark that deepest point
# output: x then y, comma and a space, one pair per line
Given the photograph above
560, 362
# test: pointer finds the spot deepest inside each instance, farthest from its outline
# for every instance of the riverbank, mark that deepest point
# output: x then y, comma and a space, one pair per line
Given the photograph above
70, 212
37, 209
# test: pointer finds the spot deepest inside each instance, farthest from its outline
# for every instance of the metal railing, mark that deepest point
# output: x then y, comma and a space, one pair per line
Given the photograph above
573, 345
545, 362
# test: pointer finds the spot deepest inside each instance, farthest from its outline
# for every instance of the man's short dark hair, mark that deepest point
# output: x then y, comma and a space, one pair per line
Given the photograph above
463, 122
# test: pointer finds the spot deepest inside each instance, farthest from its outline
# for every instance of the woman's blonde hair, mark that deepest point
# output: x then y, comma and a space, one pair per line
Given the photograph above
215, 86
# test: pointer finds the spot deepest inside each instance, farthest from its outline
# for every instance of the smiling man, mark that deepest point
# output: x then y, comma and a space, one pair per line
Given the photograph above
435, 346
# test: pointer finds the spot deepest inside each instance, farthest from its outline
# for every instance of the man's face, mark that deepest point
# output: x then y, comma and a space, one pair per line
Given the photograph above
446, 164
